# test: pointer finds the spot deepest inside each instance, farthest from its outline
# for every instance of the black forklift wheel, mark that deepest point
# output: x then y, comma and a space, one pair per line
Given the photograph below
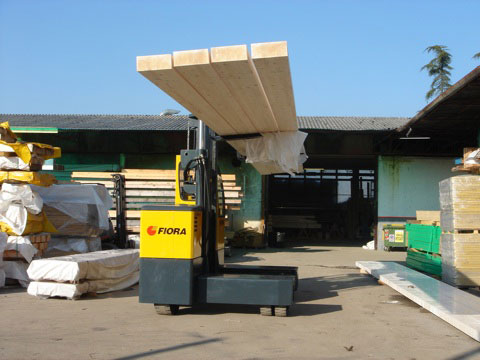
266, 311
281, 311
166, 309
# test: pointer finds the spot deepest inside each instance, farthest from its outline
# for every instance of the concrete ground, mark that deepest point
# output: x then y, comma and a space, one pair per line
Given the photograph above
338, 314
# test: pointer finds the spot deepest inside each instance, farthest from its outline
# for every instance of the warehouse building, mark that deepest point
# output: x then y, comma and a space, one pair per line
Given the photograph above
361, 172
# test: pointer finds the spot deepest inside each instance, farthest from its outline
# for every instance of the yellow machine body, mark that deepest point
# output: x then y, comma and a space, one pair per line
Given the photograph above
171, 234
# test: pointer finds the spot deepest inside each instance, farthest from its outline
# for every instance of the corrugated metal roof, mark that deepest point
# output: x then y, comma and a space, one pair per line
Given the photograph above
179, 122
350, 123
99, 122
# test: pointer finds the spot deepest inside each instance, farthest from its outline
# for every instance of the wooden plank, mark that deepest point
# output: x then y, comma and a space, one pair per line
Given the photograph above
455, 306
271, 62
136, 174
237, 71
194, 65
427, 215
159, 70
128, 213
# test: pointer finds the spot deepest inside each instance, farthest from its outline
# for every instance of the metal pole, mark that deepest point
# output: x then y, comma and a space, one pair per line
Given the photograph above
201, 135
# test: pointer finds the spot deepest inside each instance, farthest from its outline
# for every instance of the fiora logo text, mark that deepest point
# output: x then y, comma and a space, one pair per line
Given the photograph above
152, 230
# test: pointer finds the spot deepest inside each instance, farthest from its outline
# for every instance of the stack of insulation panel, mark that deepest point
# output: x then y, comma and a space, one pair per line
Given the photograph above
460, 240
72, 276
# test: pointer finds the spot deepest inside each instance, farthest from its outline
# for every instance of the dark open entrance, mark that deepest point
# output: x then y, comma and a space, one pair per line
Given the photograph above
334, 203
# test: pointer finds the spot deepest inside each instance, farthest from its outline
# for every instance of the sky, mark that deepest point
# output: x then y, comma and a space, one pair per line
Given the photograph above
347, 57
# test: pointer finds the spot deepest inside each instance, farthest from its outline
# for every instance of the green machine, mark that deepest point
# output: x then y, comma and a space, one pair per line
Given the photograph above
394, 237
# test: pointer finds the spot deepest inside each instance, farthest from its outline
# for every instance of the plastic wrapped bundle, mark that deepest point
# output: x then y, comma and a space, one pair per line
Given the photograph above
6, 134
461, 259
77, 210
21, 211
460, 203
3, 244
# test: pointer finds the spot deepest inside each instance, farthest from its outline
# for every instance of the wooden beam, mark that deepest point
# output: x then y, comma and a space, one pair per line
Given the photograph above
195, 67
271, 62
159, 70
235, 68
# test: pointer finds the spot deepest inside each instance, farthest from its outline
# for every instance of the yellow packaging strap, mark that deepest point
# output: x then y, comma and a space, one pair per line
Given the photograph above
24, 150
27, 177
6, 129
35, 224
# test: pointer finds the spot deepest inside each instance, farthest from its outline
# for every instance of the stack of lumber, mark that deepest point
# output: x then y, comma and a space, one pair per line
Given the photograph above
248, 238
470, 162
95, 272
460, 240
19, 155
151, 187
233, 92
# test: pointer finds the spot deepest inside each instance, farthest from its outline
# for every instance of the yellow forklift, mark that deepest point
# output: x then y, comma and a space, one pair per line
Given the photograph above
182, 246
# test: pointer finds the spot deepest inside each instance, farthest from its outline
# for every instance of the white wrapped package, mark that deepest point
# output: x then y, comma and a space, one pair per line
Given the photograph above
23, 245
74, 244
107, 264
16, 201
277, 152
2, 277
17, 270
73, 291
3, 244
77, 202
16, 163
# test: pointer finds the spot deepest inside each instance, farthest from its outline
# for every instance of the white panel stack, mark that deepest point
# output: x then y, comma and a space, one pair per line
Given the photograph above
72, 276
460, 219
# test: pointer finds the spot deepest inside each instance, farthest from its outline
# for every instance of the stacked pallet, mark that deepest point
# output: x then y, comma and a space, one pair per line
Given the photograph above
75, 275
151, 187
460, 240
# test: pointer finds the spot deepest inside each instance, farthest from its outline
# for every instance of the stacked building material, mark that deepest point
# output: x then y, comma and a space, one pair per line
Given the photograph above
3, 244
72, 276
423, 252
460, 240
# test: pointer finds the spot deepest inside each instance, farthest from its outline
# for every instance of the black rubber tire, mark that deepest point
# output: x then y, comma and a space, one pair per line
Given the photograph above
266, 311
281, 311
166, 309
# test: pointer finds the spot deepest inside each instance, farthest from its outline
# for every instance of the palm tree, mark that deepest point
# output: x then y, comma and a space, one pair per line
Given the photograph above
439, 68
476, 56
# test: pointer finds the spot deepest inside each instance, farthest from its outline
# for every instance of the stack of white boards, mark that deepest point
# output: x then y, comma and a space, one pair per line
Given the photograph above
457, 307
95, 272
237, 93
460, 240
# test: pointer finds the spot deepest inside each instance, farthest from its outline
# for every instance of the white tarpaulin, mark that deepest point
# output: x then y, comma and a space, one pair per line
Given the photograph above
74, 244
3, 244
16, 201
278, 152
72, 291
107, 264
22, 245
13, 163
77, 202
17, 270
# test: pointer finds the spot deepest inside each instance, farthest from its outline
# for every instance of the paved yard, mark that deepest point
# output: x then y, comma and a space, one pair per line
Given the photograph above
339, 314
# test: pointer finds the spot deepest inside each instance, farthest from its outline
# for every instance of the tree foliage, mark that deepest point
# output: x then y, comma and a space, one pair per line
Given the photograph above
476, 56
438, 68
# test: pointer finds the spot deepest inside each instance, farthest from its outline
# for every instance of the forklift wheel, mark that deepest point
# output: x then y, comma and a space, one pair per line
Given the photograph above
166, 309
266, 311
281, 311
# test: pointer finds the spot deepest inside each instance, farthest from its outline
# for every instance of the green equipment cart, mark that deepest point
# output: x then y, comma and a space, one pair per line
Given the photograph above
394, 237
